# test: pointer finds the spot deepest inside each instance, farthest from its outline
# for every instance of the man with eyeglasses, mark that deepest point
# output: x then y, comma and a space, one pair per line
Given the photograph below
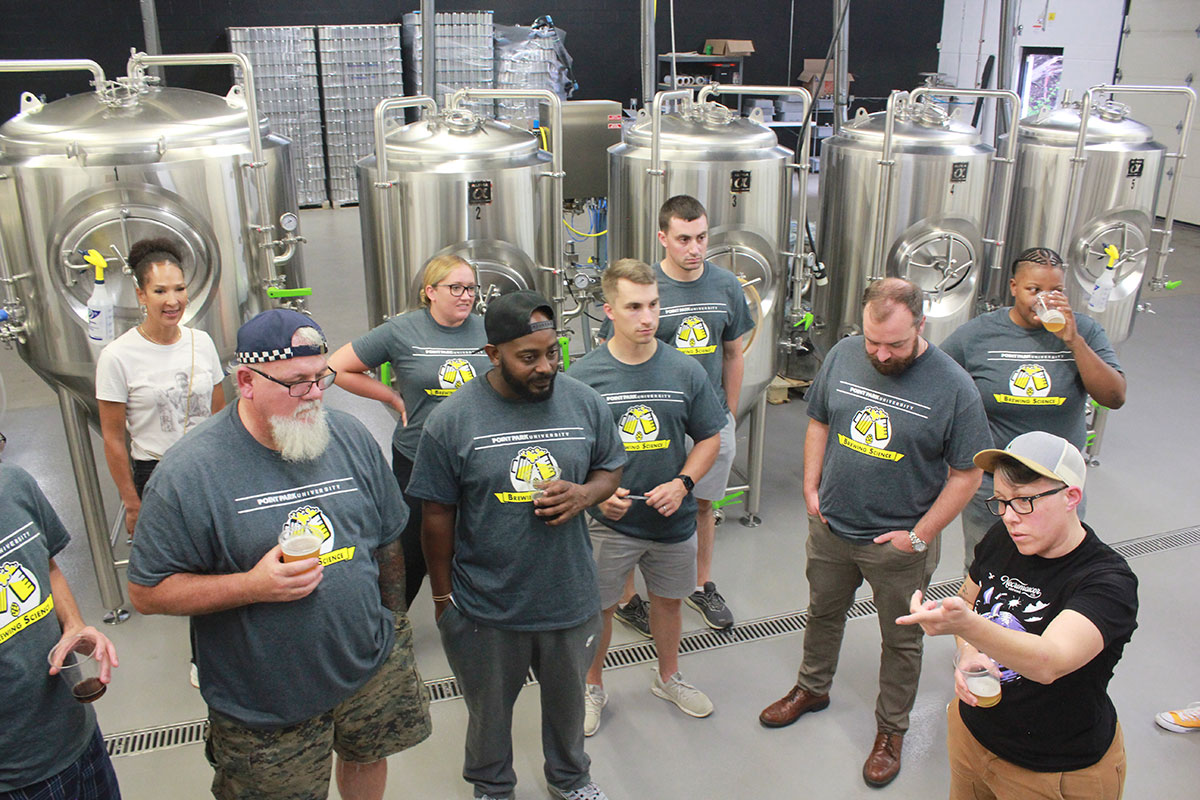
1047, 607
296, 659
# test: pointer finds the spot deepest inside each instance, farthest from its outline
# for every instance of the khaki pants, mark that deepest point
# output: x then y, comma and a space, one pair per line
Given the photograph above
835, 570
977, 773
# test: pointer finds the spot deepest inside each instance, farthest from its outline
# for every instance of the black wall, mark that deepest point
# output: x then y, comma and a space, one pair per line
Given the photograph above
890, 41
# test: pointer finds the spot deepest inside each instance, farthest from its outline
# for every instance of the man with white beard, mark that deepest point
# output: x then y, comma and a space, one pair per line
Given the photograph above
300, 658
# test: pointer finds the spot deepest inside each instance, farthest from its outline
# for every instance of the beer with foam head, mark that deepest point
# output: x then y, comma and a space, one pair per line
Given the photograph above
301, 546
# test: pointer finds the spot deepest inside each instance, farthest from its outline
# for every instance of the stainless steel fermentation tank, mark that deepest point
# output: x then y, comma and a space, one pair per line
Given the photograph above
456, 183
100, 170
904, 193
736, 167
1088, 176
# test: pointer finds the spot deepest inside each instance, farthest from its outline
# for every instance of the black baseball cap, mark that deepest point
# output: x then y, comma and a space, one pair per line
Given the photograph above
268, 337
508, 316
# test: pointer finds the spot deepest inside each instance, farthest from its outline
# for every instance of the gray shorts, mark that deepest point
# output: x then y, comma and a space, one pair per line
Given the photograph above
712, 485
669, 568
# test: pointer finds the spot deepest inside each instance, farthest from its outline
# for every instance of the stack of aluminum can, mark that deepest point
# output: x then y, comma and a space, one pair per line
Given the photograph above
360, 65
285, 77
464, 55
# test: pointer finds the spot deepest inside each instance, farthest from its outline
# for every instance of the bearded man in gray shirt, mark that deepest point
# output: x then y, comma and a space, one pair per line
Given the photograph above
888, 462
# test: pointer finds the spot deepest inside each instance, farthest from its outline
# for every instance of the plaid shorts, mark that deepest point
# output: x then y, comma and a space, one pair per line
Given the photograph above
388, 714
91, 777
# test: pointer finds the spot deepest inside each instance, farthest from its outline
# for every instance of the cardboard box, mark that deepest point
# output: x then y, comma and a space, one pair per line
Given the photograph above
729, 47
812, 74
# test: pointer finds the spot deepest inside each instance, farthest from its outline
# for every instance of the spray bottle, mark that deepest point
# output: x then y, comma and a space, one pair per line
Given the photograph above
100, 304
1104, 284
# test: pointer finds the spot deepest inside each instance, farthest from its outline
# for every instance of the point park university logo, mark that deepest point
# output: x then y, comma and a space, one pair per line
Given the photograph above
21, 601
693, 337
452, 375
1029, 385
534, 463
639, 429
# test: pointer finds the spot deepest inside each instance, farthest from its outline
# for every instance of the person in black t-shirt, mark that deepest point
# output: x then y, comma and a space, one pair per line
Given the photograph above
1049, 608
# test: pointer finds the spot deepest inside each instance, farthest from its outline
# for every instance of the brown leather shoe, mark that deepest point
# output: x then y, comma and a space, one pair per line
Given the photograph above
788, 710
883, 765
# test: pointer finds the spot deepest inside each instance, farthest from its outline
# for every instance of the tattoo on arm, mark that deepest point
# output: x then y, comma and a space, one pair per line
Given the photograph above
391, 576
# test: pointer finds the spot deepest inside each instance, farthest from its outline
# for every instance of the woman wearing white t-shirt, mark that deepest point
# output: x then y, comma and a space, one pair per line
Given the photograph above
158, 380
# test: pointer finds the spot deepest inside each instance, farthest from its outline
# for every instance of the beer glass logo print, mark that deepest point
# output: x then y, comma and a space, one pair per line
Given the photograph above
1029, 380
692, 332
454, 373
311, 519
638, 424
871, 426
530, 464
19, 591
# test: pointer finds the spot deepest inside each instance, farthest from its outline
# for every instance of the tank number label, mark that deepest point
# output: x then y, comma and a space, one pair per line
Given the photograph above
479, 193
1135, 167
739, 181
958, 172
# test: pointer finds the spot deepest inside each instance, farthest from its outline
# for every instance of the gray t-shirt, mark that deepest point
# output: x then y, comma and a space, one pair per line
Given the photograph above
654, 404
699, 316
429, 361
44, 729
891, 437
1027, 378
216, 504
480, 452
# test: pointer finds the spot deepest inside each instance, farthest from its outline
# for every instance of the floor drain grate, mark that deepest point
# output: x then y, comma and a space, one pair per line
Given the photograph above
636, 653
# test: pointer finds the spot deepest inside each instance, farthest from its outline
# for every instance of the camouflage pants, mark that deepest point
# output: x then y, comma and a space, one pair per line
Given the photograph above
388, 714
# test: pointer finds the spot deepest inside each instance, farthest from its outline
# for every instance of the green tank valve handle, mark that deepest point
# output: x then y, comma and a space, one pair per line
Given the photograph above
564, 344
1173, 284
385, 373
1091, 438
1097, 405
276, 292
806, 321
729, 499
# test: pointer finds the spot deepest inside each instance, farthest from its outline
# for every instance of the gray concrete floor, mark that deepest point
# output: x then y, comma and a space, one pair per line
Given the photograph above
1144, 485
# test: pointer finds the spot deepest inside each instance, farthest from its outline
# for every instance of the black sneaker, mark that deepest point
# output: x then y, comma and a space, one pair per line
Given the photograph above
636, 614
712, 607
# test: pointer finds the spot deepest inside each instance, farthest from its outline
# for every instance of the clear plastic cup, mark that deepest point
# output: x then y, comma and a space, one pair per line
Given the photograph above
539, 487
1052, 319
300, 542
982, 679
79, 668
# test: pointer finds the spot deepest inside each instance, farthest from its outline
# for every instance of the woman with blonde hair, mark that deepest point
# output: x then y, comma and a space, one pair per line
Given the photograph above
433, 350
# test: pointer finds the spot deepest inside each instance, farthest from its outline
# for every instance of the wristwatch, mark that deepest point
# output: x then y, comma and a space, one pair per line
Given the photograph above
688, 483
918, 544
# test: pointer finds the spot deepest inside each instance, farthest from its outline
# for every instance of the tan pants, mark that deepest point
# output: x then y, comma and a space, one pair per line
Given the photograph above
977, 773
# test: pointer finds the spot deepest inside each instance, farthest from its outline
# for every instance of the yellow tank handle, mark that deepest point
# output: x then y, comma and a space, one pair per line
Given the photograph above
94, 258
1113, 254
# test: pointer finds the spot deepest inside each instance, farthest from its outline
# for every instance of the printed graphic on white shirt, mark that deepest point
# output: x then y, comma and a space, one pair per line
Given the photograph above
22, 602
693, 337
1029, 385
176, 404
870, 433
452, 376
311, 520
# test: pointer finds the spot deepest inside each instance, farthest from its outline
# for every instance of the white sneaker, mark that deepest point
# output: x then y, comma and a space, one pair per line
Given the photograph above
689, 699
587, 792
594, 699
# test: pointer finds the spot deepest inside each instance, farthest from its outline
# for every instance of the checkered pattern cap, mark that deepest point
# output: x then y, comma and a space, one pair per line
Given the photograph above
508, 315
268, 337
1046, 454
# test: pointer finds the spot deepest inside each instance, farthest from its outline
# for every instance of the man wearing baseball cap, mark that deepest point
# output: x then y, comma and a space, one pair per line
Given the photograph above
301, 658
1047, 607
505, 466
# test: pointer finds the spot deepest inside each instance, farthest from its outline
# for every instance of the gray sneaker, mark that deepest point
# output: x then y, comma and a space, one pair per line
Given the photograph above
690, 700
636, 614
711, 606
588, 791
594, 699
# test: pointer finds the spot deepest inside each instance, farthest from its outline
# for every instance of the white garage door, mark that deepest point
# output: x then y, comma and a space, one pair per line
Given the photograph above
1161, 47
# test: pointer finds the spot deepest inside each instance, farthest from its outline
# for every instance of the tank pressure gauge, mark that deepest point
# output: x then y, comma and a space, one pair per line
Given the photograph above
289, 222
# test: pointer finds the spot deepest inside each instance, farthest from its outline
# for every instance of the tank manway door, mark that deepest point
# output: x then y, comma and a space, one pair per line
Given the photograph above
938, 262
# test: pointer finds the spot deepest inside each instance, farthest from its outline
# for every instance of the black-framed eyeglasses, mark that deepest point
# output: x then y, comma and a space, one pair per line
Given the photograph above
457, 289
1021, 505
301, 388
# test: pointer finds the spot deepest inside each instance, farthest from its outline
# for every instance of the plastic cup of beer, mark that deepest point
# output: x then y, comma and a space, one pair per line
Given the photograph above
1052, 319
300, 542
539, 487
79, 668
982, 679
